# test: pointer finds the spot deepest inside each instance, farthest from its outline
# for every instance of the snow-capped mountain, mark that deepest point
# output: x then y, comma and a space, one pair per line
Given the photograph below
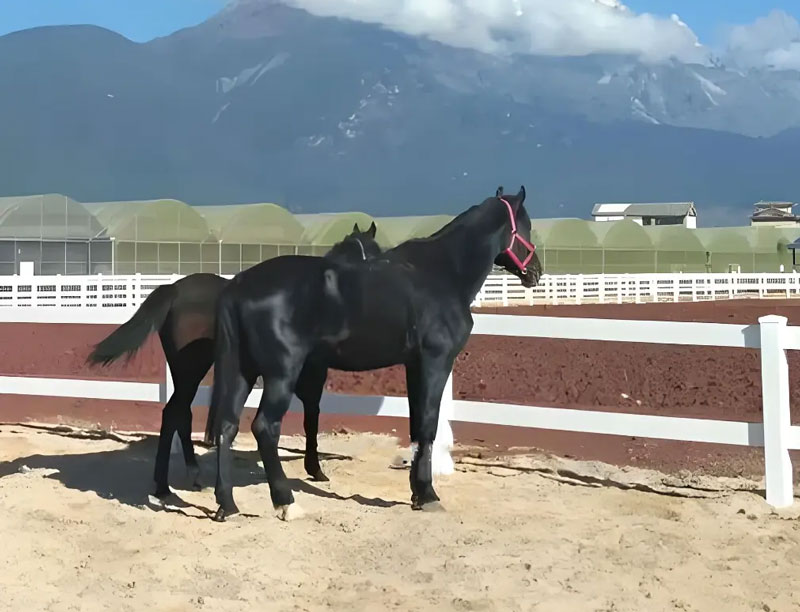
267, 102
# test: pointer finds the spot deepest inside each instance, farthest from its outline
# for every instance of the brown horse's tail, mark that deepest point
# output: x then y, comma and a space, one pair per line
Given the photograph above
130, 336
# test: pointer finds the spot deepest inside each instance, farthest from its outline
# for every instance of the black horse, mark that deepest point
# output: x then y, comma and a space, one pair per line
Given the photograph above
184, 314
293, 315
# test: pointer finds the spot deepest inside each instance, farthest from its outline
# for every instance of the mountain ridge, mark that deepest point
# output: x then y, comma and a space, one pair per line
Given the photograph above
264, 102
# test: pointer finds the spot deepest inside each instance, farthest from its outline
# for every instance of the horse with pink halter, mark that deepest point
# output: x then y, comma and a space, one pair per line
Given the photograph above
410, 307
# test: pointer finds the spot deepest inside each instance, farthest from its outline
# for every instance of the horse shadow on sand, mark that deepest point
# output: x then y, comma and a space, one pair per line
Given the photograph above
126, 474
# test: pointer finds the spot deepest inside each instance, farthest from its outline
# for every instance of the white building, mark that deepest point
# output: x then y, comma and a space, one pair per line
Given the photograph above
656, 213
775, 214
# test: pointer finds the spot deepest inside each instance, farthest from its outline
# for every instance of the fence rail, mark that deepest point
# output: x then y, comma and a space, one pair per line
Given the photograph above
771, 336
102, 291
506, 290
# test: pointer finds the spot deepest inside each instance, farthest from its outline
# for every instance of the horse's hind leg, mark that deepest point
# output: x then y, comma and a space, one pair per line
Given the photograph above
165, 436
176, 417
230, 393
309, 389
266, 428
195, 361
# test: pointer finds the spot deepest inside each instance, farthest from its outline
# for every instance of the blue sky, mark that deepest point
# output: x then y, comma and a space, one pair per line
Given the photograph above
705, 17
142, 20
139, 20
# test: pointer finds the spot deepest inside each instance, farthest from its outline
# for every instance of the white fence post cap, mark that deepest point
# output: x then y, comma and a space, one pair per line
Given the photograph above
779, 319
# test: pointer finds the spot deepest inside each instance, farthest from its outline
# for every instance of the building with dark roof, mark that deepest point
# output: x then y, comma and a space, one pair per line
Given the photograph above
775, 214
654, 213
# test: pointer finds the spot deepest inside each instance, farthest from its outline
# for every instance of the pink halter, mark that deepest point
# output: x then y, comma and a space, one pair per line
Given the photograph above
522, 265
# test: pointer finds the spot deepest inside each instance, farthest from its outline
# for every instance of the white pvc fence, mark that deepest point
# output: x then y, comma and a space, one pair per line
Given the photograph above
506, 290
498, 290
771, 336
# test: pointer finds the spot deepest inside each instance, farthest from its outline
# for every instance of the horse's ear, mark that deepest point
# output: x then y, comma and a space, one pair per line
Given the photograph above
499, 192
355, 229
373, 229
521, 195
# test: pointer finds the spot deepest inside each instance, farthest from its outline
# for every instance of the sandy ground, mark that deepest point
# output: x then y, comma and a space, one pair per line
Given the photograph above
524, 533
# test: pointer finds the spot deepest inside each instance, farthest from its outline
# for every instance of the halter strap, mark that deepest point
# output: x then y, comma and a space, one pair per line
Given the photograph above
522, 265
361, 245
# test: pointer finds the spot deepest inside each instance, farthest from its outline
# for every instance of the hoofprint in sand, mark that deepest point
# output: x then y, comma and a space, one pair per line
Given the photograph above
526, 532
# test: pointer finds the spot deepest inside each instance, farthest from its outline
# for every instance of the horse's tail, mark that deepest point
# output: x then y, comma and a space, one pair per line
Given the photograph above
129, 337
226, 362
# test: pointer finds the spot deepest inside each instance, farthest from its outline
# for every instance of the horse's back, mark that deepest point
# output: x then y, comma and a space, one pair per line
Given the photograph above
193, 312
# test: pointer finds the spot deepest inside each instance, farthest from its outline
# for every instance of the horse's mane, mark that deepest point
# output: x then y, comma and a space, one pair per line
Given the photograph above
445, 230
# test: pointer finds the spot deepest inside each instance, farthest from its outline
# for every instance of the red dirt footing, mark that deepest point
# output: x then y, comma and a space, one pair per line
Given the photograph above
698, 382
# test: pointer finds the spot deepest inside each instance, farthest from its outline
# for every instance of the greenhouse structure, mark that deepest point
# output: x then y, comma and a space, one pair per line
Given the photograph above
53, 234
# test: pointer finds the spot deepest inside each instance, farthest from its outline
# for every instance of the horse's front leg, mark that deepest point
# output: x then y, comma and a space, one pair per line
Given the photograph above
309, 389
426, 379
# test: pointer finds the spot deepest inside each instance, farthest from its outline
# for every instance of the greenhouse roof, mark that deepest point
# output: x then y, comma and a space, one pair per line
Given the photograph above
623, 235
675, 238
252, 223
400, 229
328, 229
565, 233
152, 221
745, 239
47, 217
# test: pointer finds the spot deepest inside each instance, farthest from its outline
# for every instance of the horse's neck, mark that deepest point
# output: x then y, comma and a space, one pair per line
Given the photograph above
351, 253
466, 251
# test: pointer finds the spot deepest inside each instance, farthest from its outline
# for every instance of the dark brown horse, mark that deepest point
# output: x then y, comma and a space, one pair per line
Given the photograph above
184, 314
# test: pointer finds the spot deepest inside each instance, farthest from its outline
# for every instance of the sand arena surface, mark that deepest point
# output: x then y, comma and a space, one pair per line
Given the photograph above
520, 533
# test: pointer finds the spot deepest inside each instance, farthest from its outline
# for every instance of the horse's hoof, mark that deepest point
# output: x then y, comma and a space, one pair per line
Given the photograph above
289, 512
223, 514
431, 506
162, 492
156, 502
320, 477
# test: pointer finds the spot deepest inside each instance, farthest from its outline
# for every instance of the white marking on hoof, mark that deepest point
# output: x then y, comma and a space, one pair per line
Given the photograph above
291, 512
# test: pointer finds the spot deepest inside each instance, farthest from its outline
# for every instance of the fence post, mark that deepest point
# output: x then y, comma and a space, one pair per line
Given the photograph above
441, 461
775, 406
135, 291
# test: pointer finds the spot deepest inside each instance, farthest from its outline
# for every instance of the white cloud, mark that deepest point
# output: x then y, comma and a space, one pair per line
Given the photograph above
772, 41
539, 27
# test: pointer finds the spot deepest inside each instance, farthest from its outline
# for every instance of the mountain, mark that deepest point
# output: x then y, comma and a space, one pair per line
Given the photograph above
268, 103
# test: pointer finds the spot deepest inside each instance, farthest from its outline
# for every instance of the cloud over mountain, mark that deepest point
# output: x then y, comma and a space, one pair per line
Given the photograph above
536, 27
772, 42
